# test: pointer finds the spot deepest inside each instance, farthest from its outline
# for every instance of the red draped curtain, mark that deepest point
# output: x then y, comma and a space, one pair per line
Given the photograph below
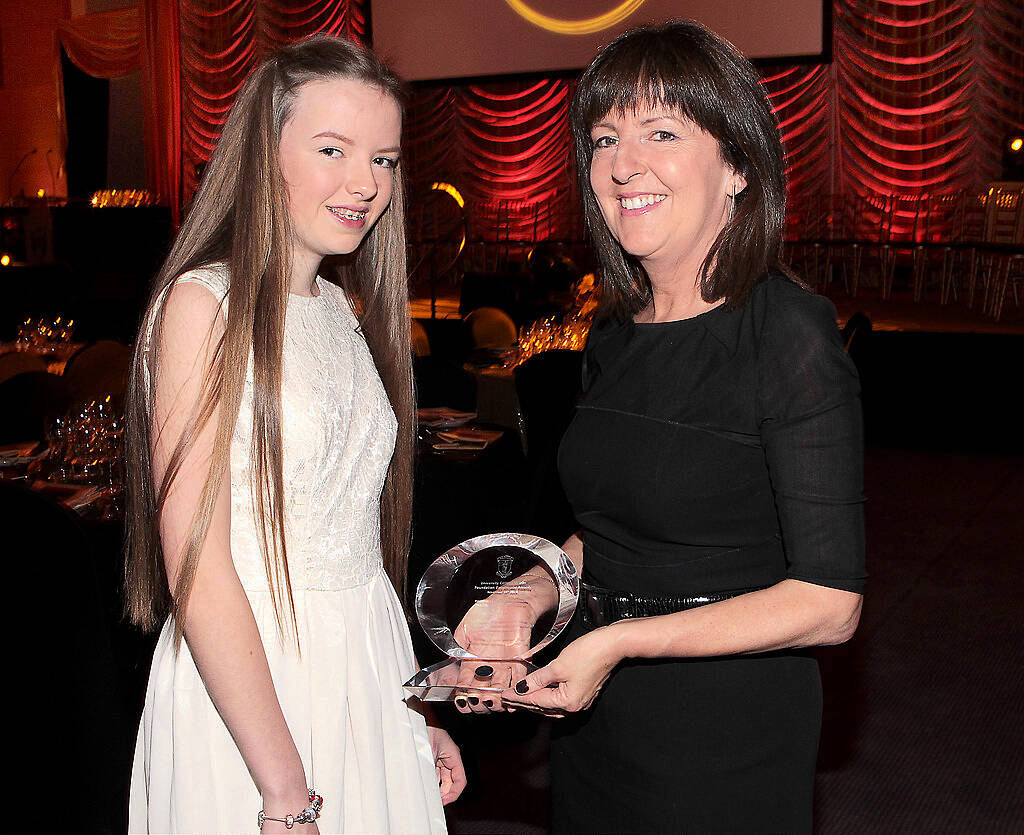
104, 44
916, 101
194, 56
505, 146
145, 38
918, 97
914, 106
221, 42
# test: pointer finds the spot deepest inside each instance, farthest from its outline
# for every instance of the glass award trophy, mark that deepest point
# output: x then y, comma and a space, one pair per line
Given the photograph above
489, 604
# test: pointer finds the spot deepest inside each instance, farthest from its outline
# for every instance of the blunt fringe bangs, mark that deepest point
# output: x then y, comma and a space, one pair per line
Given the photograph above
683, 66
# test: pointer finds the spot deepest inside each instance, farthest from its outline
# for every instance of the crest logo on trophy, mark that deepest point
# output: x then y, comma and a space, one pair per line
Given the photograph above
490, 604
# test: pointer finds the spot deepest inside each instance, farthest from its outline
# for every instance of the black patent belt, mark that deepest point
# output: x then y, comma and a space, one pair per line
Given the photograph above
600, 606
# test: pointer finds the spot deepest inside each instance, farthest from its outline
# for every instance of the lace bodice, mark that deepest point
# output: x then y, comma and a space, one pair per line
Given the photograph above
339, 684
339, 435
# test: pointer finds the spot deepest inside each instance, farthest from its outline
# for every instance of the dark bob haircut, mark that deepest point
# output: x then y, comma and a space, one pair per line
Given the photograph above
686, 67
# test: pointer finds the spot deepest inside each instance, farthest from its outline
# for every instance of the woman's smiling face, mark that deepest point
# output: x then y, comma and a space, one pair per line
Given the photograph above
662, 186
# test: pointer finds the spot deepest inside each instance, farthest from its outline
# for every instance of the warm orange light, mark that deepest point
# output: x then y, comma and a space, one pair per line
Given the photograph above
1016, 144
456, 195
122, 197
5, 260
583, 26
41, 193
448, 188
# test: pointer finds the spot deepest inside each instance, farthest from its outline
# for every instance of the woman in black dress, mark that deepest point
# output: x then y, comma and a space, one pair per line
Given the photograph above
714, 464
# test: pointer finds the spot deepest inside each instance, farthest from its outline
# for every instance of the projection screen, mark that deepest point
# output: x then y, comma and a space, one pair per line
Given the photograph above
450, 39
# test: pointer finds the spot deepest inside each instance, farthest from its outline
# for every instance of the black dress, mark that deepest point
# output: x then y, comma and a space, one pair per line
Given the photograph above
710, 455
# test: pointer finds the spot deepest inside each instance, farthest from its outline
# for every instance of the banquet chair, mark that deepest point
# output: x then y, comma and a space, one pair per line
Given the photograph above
857, 339
842, 241
420, 340
1007, 270
856, 332
856, 238
976, 211
1003, 206
548, 385
491, 328
65, 719
948, 213
18, 362
440, 382
99, 369
26, 400
808, 228
901, 233
488, 289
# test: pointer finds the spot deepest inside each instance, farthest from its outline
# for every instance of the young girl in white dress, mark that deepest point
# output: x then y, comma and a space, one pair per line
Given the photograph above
271, 439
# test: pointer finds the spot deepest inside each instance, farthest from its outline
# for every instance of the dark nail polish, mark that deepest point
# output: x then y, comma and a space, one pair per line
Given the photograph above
460, 702
473, 700
484, 671
488, 703
522, 686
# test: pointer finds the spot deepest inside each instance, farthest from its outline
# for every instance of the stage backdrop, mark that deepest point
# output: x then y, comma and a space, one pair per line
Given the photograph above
460, 38
916, 101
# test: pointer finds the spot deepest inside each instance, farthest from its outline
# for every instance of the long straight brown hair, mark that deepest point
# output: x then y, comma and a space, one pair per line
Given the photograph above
239, 217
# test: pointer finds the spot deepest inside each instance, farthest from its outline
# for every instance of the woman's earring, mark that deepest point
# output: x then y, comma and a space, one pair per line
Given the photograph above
732, 202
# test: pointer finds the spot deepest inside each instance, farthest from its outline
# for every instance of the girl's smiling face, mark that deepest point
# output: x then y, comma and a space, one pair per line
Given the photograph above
338, 154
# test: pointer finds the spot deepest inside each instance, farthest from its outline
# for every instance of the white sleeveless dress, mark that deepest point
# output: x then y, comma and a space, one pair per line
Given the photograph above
363, 748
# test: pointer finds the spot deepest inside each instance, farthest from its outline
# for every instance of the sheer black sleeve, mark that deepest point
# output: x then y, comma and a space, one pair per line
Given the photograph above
811, 430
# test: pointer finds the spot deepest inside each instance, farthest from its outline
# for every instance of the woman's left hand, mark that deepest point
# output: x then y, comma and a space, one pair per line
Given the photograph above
572, 681
451, 776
